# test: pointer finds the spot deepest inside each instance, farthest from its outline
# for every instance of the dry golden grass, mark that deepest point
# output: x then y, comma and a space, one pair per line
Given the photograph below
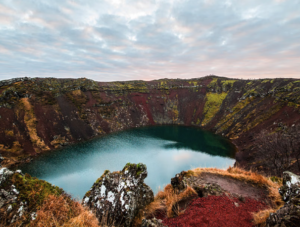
9, 132
165, 202
15, 149
260, 217
30, 121
61, 211
77, 92
84, 219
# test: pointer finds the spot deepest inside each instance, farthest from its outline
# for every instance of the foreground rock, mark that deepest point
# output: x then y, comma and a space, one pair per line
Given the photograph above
21, 196
117, 197
289, 214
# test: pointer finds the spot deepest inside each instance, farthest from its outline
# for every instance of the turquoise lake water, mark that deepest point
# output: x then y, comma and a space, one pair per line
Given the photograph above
166, 150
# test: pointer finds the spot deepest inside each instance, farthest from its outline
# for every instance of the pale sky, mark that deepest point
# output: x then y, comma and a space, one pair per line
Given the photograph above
111, 40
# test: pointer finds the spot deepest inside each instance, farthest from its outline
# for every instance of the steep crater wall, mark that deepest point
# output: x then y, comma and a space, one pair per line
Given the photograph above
38, 114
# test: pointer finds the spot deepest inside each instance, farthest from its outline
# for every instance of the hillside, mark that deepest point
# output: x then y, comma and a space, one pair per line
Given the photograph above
41, 114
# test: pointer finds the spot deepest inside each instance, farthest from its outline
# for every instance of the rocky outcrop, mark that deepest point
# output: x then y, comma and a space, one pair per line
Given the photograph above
291, 186
203, 189
117, 197
289, 214
14, 80
21, 196
179, 181
4, 175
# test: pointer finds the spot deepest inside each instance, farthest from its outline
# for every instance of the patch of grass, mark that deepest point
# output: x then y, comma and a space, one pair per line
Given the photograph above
30, 121
34, 191
261, 117
9, 132
229, 118
260, 217
228, 82
165, 202
64, 212
212, 105
212, 83
102, 176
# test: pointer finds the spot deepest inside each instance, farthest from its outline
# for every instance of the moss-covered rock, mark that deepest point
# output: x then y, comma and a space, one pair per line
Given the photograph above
21, 196
117, 197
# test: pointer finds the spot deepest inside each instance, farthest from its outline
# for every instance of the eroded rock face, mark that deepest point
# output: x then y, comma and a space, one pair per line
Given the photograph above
117, 197
289, 214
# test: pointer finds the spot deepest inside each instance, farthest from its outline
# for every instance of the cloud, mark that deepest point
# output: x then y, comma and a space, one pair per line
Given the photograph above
127, 39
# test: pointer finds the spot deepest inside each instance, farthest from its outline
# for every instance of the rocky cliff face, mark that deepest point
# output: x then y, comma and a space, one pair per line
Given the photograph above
37, 114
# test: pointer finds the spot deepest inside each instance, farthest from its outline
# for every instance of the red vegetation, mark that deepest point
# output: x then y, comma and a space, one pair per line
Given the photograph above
216, 211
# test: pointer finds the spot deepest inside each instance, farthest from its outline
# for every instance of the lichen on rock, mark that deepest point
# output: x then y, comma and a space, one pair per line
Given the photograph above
21, 196
117, 197
289, 214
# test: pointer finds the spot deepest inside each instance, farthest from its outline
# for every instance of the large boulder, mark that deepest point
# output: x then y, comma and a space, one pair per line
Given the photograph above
289, 214
117, 197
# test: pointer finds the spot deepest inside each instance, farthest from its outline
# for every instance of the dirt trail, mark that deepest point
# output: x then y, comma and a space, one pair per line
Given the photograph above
234, 186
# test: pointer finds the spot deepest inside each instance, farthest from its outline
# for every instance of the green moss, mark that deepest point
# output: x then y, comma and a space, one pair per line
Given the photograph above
261, 117
34, 191
265, 81
102, 176
212, 105
276, 179
212, 83
87, 194
289, 86
228, 120
189, 173
228, 82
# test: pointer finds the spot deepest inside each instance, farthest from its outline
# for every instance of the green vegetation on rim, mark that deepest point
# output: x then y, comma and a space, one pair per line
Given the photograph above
212, 105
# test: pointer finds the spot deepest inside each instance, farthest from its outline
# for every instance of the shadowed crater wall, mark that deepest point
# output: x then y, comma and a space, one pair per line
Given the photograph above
41, 114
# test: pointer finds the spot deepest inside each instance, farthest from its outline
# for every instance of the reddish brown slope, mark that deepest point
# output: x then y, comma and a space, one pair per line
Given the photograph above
41, 114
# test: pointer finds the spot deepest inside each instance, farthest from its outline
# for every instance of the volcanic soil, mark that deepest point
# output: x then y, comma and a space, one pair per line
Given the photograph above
222, 201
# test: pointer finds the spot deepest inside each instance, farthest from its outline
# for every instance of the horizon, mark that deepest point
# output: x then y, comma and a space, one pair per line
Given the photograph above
194, 78
136, 40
